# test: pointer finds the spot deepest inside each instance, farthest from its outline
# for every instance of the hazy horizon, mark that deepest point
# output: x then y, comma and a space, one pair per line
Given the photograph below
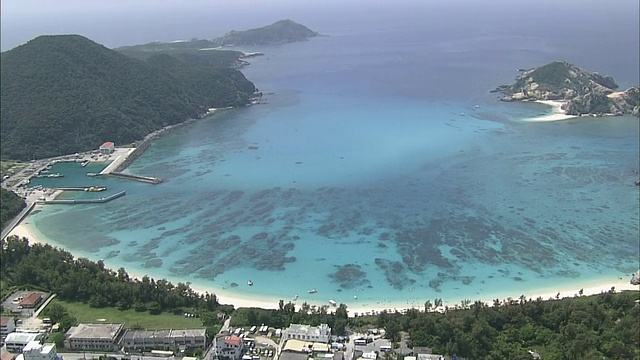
120, 23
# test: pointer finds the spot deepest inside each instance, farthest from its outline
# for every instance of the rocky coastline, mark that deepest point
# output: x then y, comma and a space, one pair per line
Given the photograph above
583, 92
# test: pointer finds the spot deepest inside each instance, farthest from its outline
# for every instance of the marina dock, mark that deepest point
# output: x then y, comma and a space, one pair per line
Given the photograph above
145, 179
84, 201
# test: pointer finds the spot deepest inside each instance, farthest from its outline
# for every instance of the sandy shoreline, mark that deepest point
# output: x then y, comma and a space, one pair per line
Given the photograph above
227, 297
557, 115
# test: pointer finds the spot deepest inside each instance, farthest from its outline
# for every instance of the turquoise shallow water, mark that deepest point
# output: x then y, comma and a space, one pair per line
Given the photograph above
371, 172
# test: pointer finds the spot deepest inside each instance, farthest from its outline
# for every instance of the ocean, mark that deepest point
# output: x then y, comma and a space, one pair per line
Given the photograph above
379, 169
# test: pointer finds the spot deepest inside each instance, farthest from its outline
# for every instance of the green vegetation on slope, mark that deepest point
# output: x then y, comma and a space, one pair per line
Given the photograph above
10, 206
188, 52
278, 32
65, 94
560, 74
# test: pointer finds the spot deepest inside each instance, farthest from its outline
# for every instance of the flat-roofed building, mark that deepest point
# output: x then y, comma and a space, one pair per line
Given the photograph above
36, 351
147, 340
107, 148
94, 337
320, 333
16, 341
294, 345
7, 326
229, 346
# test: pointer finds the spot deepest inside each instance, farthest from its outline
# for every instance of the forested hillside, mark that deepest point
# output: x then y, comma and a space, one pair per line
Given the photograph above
65, 93
10, 206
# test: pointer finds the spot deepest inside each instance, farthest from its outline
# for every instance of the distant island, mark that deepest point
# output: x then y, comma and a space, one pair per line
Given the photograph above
283, 31
583, 92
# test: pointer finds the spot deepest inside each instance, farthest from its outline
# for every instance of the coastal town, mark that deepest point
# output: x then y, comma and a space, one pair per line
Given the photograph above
25, 332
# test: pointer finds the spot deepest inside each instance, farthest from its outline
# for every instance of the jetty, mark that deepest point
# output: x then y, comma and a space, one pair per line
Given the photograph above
84, 201
144, 179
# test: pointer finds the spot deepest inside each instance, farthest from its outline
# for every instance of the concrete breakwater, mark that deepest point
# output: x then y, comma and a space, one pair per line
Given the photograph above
17, 219
84, 201
145, 179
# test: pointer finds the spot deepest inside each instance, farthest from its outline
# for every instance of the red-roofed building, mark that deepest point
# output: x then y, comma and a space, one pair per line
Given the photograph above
230, 347
107, 148
30, 301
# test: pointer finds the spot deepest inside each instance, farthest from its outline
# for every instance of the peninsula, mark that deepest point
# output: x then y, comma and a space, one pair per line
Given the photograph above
210, 51
577, 91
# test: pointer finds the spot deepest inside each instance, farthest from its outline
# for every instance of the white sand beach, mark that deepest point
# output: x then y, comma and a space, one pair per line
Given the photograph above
557, 115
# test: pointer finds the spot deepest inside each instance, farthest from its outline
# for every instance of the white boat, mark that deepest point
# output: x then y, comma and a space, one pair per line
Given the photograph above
250, 283
91, 174
332, 302
312, 291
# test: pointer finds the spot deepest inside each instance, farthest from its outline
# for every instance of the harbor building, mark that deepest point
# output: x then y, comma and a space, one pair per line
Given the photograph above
107, 148
94, 337
320, 333
7, 326
168, 340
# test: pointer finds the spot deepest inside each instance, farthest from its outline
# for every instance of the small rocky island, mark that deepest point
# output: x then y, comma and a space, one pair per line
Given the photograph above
583, 92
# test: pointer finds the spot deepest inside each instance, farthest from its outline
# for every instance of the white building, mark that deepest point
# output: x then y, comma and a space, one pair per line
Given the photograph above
321, 333
228, 346
16, 341
36, 351
7, 326
94, 337
107, 148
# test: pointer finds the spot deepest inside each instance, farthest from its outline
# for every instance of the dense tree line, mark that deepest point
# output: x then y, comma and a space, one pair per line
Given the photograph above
56, 270
10, 206
286, 313
64, 94
604, 326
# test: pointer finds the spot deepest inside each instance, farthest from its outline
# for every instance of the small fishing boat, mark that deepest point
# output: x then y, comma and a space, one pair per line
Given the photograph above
250, 283
332, 302
312, 291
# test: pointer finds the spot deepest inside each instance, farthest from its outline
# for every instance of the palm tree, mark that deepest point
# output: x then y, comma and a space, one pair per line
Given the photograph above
427, 306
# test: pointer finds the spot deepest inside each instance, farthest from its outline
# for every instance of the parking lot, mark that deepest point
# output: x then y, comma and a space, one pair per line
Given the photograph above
12, 303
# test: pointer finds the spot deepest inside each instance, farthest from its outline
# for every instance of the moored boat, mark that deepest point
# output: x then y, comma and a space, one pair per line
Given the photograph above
312, 291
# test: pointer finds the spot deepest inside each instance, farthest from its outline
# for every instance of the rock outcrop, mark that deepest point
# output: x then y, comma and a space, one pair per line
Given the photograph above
585, 92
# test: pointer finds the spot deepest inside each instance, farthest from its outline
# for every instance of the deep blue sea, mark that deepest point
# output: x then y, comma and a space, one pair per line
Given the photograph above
380, 167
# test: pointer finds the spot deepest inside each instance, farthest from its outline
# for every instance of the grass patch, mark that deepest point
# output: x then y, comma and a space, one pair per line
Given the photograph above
131, 318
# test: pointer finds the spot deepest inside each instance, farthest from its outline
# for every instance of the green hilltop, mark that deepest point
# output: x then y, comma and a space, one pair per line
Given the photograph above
279, 32
65, 93
584, 91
